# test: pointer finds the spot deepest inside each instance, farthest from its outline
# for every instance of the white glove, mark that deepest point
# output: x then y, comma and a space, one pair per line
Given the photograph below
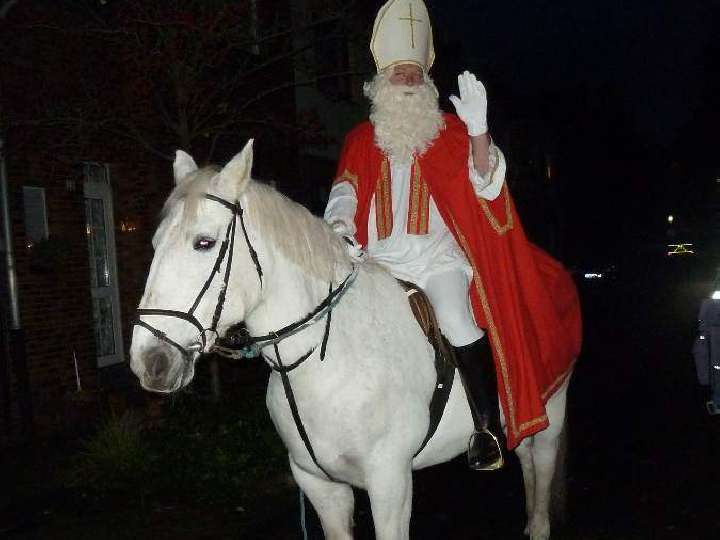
354, 249
341, 228
471, 106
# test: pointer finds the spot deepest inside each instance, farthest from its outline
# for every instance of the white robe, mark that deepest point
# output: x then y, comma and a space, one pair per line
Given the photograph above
408, 256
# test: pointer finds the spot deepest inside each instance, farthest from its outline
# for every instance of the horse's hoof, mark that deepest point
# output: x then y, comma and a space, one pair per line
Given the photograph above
538, 530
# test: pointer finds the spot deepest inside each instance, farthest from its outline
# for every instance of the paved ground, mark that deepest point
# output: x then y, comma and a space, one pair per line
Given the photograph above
644, 458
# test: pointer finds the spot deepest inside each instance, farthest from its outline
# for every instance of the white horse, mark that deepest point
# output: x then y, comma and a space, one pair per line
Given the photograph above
364, 407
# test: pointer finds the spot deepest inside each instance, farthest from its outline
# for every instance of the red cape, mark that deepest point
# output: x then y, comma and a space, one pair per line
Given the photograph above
524, 299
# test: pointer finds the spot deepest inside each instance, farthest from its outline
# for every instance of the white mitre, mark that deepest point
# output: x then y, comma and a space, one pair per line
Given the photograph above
402, 34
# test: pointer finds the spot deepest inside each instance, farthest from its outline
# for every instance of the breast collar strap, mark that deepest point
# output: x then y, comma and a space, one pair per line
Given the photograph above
251, 346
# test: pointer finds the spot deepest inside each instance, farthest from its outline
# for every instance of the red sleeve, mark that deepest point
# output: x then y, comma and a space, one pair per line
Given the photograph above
352, 155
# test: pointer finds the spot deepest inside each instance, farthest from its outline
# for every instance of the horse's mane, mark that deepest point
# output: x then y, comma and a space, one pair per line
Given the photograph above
298, 235
302, 238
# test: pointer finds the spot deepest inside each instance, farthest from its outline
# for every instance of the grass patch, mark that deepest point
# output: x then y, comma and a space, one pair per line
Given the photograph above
201, 453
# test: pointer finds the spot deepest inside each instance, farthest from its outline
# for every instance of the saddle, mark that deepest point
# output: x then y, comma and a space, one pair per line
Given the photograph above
444, 357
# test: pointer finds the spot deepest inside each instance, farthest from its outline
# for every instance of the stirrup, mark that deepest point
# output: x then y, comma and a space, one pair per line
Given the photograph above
484, 452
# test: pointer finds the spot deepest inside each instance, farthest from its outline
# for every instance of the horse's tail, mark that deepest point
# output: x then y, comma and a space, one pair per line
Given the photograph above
558, 490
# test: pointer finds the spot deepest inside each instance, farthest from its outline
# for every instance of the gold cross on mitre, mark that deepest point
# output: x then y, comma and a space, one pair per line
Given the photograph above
411, 20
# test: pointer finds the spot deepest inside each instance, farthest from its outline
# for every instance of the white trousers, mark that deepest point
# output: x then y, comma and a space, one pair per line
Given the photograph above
448, 294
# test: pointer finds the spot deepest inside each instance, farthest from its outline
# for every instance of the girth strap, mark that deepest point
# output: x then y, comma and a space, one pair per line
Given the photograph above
445, 369
444, 356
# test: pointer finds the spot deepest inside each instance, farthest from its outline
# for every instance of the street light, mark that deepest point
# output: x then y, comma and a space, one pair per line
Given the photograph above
670, 218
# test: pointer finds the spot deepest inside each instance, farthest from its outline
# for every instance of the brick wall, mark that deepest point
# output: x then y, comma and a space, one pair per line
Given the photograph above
54, 287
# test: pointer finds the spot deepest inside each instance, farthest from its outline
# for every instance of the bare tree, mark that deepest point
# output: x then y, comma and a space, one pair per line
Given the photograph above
167, 73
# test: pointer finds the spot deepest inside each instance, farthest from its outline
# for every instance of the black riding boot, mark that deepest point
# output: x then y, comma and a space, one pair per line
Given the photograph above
477, 371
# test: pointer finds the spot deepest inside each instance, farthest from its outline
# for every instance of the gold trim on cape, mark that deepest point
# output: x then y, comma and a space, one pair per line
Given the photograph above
559, 380
383, 202
510, 419
494, 223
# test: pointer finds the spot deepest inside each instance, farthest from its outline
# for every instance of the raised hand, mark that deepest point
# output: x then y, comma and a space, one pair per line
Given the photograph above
471, 106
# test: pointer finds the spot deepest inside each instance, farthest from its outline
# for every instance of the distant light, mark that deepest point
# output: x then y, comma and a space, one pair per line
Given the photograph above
593, 275
716, 295
127, 226
680, 249
671, 218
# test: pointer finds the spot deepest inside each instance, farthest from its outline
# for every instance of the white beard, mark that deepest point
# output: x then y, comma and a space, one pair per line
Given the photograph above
407, 119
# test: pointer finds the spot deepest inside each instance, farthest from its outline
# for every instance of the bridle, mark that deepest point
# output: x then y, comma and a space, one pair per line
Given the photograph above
243, 345
226, 249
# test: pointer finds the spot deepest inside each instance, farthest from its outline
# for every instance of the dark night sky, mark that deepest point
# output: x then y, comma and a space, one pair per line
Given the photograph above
652, 52
619, 84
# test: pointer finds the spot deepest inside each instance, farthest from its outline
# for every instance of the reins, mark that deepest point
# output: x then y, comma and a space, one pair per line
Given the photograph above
246, 346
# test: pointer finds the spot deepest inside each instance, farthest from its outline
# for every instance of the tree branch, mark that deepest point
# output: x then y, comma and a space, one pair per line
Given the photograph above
132, 134
234, 119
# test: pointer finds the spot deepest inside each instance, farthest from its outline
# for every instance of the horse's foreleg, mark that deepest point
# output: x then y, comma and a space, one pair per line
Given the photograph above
390, 492
333, 502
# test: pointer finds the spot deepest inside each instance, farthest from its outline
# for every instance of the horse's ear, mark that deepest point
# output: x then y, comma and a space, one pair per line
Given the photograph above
183, 166
236, 174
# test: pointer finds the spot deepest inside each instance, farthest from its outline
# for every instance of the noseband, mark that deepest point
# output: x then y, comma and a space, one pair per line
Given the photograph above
226, 249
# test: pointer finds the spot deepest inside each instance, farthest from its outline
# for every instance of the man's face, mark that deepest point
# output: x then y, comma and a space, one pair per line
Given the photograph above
406, 75
404, 111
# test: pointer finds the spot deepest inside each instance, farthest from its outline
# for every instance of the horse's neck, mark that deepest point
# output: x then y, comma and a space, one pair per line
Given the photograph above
288, 296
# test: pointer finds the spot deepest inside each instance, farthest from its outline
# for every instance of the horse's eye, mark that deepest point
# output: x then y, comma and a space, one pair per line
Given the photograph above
203, 243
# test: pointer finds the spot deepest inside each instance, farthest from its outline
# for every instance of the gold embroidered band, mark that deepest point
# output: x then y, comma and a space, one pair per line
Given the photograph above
419, 207
383, 202
510, 417
494, 223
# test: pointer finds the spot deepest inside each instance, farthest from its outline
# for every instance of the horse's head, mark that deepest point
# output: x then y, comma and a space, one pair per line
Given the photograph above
198, 243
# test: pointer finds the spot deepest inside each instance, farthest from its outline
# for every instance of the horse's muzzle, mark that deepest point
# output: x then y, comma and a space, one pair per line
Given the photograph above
161, 368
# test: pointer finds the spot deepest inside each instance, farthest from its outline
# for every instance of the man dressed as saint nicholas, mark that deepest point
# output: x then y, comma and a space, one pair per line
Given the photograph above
423, 193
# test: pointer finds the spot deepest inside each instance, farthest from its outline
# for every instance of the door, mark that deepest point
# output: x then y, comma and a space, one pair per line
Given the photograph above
100, 230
